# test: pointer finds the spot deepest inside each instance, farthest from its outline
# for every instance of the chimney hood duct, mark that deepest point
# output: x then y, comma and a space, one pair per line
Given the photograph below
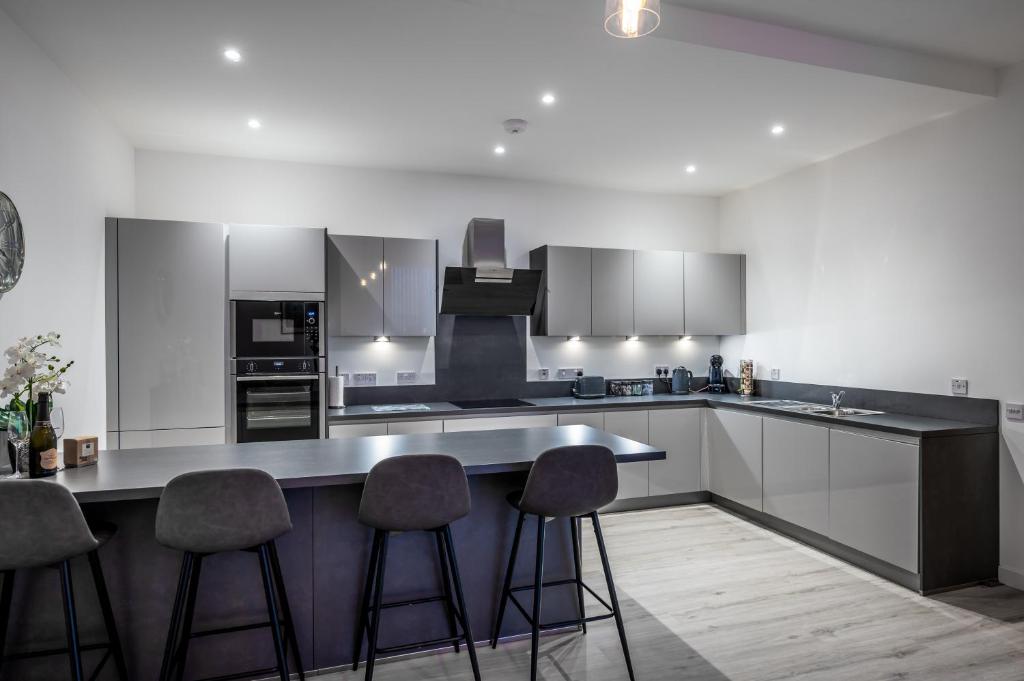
484, 286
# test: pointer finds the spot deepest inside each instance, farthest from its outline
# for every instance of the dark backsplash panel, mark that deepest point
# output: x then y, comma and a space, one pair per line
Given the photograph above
476, 358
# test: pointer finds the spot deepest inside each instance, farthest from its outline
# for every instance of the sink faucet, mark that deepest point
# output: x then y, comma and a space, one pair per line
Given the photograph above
837, 399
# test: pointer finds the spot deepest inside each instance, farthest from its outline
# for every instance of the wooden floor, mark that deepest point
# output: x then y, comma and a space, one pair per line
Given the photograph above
709, 596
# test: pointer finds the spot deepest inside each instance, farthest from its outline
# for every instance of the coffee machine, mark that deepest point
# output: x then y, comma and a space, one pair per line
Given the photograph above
716, 377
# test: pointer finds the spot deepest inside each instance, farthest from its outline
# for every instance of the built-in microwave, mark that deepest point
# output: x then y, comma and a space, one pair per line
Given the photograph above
262, 328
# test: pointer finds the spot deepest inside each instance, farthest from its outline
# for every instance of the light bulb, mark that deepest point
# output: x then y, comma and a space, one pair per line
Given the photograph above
631, 17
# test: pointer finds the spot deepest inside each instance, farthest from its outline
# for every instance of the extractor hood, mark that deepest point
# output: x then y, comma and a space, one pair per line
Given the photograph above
484, 286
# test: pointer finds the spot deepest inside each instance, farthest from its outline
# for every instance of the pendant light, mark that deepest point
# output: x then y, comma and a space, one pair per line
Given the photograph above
631, 18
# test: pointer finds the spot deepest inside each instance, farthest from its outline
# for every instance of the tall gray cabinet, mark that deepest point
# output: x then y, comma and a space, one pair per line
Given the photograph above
381, 286
165, 300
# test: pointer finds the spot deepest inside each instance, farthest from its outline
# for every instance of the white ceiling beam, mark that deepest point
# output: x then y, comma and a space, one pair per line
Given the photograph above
779, 42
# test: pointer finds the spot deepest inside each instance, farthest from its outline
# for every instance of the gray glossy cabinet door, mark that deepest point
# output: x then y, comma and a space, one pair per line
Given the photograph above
566, 304
658, 293
633, 477
264, 258
796, 473
171, 305
355, 285
612, 292
873, 497
715, 294
185, 437
734, 454
677, 431
410, 287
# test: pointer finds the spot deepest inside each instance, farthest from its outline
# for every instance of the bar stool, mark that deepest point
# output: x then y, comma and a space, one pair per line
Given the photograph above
413, 493
208, 512
41, 524
564, 482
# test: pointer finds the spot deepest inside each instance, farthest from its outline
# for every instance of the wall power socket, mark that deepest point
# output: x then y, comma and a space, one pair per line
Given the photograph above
1014, 411
958, 386
543, 374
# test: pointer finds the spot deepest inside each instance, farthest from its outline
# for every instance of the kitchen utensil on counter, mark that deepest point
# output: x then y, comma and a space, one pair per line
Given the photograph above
336, 390
746, 377
681, 377
716, 377
588, 387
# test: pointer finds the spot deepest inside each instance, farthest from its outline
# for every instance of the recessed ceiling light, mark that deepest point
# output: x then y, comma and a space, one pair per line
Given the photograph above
499, 150
255, 124
547, 98
778, 129
691, 169
232, 55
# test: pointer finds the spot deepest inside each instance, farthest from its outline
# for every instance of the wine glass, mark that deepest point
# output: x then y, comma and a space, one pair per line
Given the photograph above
18, 431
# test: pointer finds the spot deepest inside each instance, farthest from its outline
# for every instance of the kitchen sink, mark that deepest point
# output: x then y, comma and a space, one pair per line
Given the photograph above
813, 409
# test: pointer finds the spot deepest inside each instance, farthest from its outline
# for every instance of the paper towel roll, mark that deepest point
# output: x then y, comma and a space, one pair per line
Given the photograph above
335, 392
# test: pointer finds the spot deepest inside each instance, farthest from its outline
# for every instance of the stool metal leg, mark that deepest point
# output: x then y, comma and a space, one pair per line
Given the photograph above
195, 565
171, 644
446, 578
538, 589
275, 620
611, 592
449, 547
286, 610
364, 610
6, 596
114, 641
71, 621
378, 597
505, 591
576, 550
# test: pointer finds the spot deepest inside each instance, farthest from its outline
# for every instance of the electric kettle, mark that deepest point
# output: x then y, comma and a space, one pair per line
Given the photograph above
681, 377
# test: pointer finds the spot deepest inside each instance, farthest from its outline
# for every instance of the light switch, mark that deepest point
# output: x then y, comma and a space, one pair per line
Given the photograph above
959, 386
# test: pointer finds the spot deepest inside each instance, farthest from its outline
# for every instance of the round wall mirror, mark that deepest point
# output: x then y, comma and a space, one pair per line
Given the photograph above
12, 244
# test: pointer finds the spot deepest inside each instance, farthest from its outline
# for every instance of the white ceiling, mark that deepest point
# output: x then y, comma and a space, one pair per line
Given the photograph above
989, 31
425, 84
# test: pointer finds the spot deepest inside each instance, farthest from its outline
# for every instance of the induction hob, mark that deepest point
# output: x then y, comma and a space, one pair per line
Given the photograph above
490, 404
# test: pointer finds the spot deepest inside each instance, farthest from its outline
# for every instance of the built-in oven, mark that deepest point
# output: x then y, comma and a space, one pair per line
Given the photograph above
261, 328
276, 399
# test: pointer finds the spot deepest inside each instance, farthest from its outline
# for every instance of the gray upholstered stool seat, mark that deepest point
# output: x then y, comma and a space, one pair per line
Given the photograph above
207, 512
565, 482
417, 492
42, 525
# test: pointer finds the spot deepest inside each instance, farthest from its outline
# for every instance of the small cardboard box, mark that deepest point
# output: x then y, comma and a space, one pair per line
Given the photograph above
81, 451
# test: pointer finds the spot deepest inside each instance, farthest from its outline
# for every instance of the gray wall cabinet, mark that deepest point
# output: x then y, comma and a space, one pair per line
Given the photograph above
678, 432
658, 293
633, 477
166, 326
796, 473
278, 260
381, 286
734, 441
873, 496
612, 292
715, 292
565, 308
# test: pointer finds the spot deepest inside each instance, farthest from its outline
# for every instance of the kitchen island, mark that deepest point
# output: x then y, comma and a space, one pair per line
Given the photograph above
323, 558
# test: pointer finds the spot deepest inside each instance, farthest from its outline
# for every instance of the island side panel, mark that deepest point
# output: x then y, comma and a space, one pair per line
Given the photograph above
483, 540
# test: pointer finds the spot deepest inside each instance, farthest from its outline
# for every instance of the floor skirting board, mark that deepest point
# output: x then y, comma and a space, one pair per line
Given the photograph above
1011, 577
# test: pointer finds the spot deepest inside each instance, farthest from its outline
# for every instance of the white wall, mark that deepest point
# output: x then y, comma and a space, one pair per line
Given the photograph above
899, 266
429, 205
65, 168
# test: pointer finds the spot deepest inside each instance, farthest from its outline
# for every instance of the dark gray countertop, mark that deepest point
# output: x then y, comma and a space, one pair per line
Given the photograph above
914, 426
142, 473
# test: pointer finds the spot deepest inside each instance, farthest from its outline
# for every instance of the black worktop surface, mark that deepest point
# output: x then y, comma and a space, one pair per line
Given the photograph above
913, 426
142, 473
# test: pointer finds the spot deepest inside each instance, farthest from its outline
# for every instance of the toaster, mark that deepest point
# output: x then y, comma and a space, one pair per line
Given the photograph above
588, 387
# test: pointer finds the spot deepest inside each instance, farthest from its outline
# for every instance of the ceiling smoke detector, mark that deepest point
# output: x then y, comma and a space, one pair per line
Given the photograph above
514, 126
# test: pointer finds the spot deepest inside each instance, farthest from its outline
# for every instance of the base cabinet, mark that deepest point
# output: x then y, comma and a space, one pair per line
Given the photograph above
873, 496
633, 477
417, 426
174, 437
796, 473
357, 430
734, 443
678, 432
594, 419
500, 422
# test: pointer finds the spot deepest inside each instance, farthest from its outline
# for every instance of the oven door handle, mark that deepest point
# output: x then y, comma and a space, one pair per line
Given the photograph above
276, 377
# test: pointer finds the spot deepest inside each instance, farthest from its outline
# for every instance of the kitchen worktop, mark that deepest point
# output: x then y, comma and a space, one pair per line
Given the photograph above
902, 424
142, 473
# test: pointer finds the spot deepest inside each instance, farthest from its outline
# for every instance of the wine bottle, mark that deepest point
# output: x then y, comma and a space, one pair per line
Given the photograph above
42, 444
